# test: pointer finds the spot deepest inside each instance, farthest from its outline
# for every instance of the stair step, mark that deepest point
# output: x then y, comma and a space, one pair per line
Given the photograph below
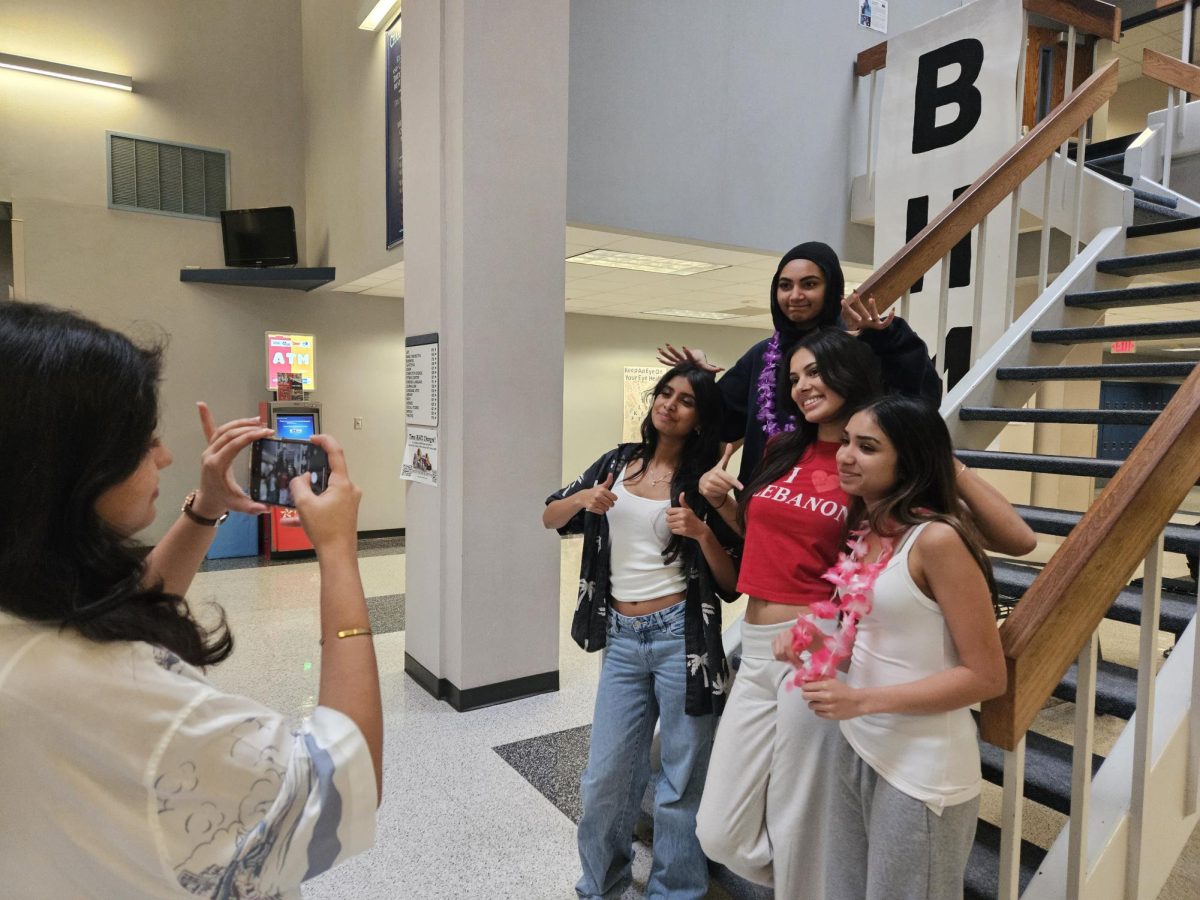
1175, 613
1065, 416
1108, 149
1164, 200
1107, 371
1033, 462
1047, 769
1168, 227
1145, 212
1101, 168
1059, 522
1151, 263
1116, 688
983, 866
1124, 332
1181, 292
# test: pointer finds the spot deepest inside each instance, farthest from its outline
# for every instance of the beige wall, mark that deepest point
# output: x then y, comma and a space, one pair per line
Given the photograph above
1134, 100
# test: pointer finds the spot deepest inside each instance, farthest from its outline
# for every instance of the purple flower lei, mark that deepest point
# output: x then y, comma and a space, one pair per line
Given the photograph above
766, 392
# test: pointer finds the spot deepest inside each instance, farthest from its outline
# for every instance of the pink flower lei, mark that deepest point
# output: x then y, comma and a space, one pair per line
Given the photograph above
856, 579
766, 391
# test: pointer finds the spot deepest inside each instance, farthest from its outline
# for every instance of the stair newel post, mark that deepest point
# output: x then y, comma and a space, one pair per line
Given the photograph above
1168, 136
943, 313
1011, 821
1080, 160
1191, 797
1144, 717
977, 310
1081, 767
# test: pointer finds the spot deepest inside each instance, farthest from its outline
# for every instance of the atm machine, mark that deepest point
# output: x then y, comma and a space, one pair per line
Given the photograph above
296, 420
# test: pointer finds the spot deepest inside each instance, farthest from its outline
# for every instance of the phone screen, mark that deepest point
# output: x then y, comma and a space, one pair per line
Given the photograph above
274, 462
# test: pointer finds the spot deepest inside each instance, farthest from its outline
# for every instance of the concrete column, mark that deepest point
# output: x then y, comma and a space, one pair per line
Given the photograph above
485, 164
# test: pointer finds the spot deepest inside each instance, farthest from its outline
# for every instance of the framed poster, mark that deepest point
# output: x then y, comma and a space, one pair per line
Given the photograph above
638, 382
395, 157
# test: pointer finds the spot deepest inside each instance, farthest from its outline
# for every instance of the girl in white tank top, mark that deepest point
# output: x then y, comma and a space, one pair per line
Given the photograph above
925, 651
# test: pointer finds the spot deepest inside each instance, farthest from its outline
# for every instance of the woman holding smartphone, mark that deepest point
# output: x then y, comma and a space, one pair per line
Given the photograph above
906, 782
656, 559
129, 773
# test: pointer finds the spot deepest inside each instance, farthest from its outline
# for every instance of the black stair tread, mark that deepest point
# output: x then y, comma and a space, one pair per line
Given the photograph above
1103, 371
1127, 331
1112, 148
1170, 226
1151, 263
1179, 292
1047, 520
1047, 769
1148, 208
1042, 463
1066, 416
983, 866
1116, 688
1101, 168
1176, 610
1163, 200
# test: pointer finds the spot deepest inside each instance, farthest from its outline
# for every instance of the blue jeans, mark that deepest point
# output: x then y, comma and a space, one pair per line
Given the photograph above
643, 681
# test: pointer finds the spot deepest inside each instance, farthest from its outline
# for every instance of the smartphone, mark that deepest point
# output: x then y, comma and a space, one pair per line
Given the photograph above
274, 462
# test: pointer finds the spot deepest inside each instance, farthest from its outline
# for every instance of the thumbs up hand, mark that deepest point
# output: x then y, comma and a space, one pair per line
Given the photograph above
683, 521
599, 499
716, 483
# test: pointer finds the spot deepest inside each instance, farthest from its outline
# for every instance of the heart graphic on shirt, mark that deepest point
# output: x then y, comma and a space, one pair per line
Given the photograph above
824, 482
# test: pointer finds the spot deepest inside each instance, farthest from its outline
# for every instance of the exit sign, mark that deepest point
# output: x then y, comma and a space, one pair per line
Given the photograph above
1123, 346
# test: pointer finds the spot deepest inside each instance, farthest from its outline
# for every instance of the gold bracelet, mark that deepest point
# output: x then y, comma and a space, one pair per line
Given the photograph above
350, 632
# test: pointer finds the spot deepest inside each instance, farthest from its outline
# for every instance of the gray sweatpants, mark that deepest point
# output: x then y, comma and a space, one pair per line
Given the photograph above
890, 845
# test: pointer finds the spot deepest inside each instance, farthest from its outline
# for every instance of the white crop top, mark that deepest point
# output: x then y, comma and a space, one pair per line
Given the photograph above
638, 534
933, 758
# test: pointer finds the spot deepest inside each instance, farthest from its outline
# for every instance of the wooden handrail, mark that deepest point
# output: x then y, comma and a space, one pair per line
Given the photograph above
1067, 601
1171, 71
887, 283
1088, 16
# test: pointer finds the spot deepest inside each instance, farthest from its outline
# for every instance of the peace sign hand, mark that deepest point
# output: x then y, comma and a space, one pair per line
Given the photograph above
861, 316
599, 499
716, 483
684, 522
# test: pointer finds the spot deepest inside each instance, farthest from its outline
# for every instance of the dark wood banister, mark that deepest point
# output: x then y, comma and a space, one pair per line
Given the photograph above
1088, 16
887, 283
1067, 601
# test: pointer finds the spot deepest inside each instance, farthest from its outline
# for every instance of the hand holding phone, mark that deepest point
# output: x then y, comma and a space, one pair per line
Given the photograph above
274, 462
331, 519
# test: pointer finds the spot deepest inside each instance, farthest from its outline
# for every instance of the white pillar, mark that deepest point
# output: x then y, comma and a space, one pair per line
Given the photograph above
485, 168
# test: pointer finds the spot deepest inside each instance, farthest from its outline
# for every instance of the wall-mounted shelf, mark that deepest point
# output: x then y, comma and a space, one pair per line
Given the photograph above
288, 279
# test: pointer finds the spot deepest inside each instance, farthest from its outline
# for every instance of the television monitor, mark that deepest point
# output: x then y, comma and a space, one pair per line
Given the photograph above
295, 427
259, 237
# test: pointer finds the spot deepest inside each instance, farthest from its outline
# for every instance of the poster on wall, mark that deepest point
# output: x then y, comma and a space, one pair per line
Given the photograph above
873, 14
420, 456
294, 355
395, 156
638, 382
421, 380
948, 112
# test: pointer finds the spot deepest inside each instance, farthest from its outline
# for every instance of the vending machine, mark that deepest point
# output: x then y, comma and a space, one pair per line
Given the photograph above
296, 420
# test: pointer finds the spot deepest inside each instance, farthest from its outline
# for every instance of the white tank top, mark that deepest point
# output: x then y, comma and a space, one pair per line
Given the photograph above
637, 534
932, 758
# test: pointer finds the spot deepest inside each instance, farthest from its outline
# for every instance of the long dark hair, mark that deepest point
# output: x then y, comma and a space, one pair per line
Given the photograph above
847, 367
926, 489
80, 406
701, 450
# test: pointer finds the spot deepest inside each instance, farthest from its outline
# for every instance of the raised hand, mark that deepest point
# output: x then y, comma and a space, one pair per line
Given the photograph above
599, 499
683, 521
669, 356
716, 483
861, 316
219, 491
330, 519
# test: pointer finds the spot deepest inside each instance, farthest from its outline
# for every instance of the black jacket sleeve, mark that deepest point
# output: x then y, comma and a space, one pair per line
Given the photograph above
735, 389
905, 360
592, 476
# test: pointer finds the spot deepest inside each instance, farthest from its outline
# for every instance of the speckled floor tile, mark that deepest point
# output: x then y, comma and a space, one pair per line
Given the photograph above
553, 763
386, 613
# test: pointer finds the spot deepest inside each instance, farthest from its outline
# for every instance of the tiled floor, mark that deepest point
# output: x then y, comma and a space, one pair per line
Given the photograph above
478, 804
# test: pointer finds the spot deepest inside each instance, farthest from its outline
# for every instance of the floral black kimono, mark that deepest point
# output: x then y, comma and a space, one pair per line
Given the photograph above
707, 671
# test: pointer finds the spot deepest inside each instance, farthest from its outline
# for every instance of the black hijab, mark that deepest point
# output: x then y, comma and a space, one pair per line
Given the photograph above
827, 261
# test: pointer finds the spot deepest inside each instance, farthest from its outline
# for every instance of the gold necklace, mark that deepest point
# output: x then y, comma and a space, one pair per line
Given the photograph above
657, 481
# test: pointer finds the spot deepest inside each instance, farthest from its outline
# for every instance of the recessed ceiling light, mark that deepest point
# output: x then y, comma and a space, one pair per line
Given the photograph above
690, 314
640, 262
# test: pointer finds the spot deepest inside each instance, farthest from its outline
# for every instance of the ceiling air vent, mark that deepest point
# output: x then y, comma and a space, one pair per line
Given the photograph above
167, 178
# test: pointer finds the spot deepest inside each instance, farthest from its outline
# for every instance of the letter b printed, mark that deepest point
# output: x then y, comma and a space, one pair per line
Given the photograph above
927, 134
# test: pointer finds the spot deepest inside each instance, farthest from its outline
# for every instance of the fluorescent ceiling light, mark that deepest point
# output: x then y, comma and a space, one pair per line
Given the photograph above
71, 73
691, 314
1181, 349
375, 12
640, 262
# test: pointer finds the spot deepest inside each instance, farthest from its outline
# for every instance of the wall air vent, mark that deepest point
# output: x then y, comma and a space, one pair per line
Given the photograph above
167, 178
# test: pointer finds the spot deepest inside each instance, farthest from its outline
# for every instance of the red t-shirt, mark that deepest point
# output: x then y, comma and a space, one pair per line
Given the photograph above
794, 531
